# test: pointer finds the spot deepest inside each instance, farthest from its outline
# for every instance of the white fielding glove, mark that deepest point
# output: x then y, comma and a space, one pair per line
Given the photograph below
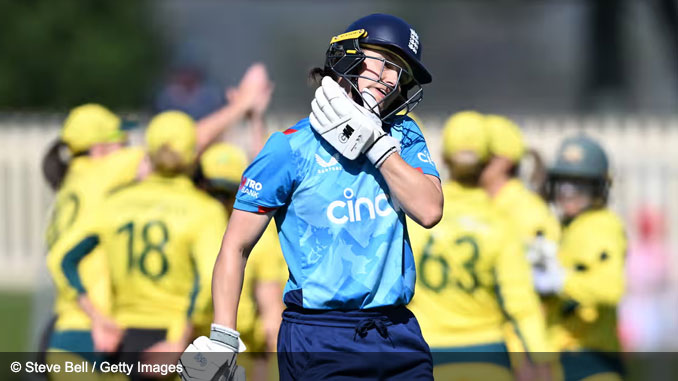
213, 358
549, 278
541, 251
348, 127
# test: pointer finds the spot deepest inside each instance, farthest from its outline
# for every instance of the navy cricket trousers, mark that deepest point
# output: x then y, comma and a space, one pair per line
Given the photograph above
375, 344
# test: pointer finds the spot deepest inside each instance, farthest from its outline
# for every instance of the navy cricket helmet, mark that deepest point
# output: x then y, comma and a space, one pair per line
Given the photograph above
345, 56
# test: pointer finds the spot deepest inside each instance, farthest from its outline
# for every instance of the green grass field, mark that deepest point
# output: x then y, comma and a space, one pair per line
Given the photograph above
15, 320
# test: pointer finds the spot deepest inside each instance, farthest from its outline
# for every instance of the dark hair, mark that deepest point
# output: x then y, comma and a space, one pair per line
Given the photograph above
55, 164
537, 178
316, 75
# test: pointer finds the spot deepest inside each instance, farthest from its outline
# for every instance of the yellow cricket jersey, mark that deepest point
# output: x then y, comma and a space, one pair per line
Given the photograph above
265, 264
161, 237
592, 251
85, 186
528, 212
530, 216
472, 275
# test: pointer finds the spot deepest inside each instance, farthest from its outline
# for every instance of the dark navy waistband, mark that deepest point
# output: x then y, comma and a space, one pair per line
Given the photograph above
339, 318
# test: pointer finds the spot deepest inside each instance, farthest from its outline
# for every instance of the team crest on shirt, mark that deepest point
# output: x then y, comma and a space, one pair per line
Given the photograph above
328, 165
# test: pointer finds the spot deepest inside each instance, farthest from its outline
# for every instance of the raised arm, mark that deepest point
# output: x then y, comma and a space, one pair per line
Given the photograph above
254, 89
351, 130
420, 195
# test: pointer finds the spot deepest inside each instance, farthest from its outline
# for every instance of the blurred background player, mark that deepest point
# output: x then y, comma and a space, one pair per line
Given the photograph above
161, 236
537, 228
473, 275
93, 138
351, 267
529, 213
87, 162
586, 282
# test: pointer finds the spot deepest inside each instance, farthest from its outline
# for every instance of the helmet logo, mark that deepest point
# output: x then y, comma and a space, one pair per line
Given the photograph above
414, 41
573, 153
352, 35
346, 134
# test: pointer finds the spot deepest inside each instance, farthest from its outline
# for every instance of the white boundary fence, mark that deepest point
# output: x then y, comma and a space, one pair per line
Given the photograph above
642, 150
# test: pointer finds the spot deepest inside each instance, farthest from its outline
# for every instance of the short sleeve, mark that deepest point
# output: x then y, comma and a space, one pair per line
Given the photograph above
269, 180
413, 147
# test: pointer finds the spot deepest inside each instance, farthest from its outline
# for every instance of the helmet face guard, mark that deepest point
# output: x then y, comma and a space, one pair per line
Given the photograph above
559, 186
345, 59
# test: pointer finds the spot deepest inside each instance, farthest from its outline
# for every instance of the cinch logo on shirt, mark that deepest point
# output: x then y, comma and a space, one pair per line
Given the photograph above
250, 187
341, 212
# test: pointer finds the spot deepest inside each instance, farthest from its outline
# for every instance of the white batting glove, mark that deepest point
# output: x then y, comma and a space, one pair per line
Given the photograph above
348, 127
213, 358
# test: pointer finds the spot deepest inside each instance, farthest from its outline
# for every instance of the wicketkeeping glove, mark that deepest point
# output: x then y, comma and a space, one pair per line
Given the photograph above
213, 358
351, 129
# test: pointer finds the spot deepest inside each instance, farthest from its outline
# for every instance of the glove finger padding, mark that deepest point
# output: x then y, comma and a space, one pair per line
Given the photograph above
206, 359
320, 117
325, 107
345, 125
341, 104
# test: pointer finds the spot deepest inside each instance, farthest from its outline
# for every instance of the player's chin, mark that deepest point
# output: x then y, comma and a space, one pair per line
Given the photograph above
378, 96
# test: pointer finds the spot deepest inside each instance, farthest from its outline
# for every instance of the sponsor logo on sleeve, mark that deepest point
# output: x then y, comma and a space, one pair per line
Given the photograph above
250, 187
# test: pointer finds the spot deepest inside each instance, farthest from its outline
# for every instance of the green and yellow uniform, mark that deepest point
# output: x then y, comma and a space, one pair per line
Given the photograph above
86, 184
528, 212
472, 277
583, 318
161, 237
